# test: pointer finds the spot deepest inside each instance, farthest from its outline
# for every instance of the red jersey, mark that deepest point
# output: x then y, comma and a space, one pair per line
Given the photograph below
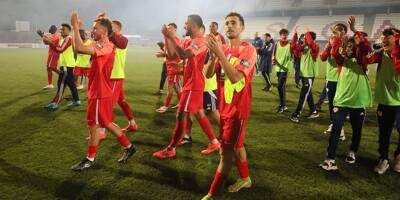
221, 37
172, 63
193, 78
246, 57
53, 55
100, 72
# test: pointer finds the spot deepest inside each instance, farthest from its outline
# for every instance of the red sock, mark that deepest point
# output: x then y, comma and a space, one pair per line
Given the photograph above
49, 78
167, 100
126, 109
207, 128
217, 184
178, 95
56, 98
124, 141
243, 168
180, 128
91, 151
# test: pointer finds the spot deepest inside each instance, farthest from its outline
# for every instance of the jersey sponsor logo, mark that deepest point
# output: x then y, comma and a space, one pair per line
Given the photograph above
245, 63
100, 46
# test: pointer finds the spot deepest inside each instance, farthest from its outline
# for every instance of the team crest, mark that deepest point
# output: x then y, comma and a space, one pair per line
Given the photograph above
245, 63
195, 46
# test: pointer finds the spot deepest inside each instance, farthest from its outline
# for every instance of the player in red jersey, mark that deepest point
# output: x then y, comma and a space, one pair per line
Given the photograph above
100, 105
53, 55
191, 102
234, 66
173, 63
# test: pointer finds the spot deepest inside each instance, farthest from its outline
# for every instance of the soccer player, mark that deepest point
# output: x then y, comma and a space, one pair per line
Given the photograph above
331, 75
118, 75
283, 62
387, 95
191, 102
258, 44
296, 60
67, 64
353, 92
266, 60
82, 62
100, 105
214, 30
52, 57
163, 73
234, 66
173, 67
308, 54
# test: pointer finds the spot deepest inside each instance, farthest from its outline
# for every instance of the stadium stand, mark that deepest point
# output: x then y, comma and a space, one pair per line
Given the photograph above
383, 21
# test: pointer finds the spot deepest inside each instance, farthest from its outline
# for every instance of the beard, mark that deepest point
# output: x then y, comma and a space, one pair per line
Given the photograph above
188, 33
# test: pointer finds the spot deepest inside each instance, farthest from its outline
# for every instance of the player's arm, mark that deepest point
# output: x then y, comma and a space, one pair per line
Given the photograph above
326, 52
231, 72
174, 46
171, 54
119, 40
313, 45
79, 46
209, 69
396, 52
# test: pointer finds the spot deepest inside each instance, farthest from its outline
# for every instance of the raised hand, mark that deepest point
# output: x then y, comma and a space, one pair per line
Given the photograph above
166, 32
101, 15
214, 44
352, 23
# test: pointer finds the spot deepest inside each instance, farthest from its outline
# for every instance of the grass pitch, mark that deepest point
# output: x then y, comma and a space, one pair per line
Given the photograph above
38, 147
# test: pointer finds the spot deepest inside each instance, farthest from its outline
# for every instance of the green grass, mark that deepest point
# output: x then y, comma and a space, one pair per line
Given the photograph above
37, 147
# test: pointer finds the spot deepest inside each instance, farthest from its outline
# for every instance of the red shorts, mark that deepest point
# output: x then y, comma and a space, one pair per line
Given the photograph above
100, 112
81, 71
191, 101
173, 79
52, 60
118, 94
233, 131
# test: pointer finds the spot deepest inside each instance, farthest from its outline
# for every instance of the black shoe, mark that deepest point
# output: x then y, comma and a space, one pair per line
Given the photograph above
281, 109
295, 118
84, 164
127, 154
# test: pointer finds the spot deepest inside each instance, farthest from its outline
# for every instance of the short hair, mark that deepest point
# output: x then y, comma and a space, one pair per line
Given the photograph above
387, 32
118, 23
106, 23
53, 29
173, 25
343, 26
82, 34
267, 34
215, 23
66, 26
302, 35
196, 19
283, 31
313, 35
235, 14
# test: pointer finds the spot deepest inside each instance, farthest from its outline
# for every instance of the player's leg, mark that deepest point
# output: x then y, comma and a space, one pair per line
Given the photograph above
209, 131
170, 93
357, 117
72, 86
180, 127
339, 116
126, 109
